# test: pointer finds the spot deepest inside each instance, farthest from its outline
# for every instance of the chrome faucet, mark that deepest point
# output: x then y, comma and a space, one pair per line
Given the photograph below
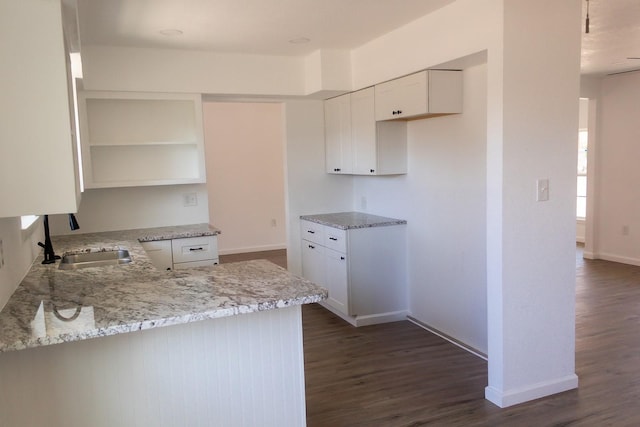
50, 256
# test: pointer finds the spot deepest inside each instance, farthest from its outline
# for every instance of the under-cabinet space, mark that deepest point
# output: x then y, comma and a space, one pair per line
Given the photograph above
137, 139
159, 251
426, 93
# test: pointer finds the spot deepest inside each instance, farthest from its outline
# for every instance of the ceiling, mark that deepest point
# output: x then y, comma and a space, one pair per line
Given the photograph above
277, 27
614, 37
247, 26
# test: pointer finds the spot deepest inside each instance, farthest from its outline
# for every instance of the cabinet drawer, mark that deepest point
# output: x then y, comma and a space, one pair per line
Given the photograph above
312, 232
204, 263
195, 249
335, 239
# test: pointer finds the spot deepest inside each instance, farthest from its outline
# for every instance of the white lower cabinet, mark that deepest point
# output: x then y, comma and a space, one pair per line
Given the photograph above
364, 270
159, 252
183, 253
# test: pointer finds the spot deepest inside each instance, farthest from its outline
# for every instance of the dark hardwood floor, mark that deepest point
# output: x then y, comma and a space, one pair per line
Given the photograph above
397, 374
278, 256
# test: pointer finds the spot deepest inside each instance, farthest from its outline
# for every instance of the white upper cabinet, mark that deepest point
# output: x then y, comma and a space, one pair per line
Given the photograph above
356, 144
136, 139
337, 119
36, 136
429, 92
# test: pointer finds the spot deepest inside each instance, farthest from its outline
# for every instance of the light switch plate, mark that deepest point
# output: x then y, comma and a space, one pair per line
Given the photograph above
543, 190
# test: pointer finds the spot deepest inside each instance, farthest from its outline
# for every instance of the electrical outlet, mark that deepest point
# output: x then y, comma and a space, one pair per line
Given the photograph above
625, 230
274, 222
190, 199
1, 255
363, 203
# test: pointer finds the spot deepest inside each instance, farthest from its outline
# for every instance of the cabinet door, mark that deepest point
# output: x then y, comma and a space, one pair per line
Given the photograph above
337, 119
337, 281
402, 98
160, 253
313, 263
194, 264
37, 161
363, 132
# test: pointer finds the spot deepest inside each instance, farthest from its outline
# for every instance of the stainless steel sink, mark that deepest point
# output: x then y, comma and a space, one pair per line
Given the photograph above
95, 259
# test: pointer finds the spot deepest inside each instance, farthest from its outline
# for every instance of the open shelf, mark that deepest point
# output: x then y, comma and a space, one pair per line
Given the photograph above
137, 139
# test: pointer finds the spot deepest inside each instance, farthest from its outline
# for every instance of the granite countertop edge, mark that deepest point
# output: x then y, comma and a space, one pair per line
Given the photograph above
158, 323
137, 296
352, 220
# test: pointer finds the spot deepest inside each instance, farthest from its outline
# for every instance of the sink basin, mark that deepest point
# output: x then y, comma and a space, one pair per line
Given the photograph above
95, 259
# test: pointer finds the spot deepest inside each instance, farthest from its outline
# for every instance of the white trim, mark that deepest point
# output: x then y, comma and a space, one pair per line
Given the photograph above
446, 337
615, 258
589, 255
252, 249
534, 391
369, 319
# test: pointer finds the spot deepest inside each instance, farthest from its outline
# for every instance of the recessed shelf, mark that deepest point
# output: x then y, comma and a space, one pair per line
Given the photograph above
138, 139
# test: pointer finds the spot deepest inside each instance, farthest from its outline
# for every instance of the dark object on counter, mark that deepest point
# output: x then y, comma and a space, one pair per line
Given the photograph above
50, 256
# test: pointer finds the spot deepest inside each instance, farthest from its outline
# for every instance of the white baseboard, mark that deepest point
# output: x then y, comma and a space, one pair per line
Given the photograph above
535, 391
446, 337
370, 319
252, 249
616, 258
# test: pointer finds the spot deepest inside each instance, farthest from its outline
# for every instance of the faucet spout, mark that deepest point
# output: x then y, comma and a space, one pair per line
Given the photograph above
50, 256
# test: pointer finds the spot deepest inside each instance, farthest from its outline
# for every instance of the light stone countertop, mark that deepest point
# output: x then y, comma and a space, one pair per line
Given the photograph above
53, 306
351, 220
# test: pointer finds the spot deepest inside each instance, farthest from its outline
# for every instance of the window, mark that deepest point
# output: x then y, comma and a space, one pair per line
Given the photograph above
581, 205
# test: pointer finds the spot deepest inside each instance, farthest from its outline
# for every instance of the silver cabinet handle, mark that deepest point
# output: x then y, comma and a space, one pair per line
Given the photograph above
333, 238
196, 249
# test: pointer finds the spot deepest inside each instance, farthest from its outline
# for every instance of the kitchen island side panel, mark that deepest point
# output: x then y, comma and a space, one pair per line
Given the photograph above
244, 370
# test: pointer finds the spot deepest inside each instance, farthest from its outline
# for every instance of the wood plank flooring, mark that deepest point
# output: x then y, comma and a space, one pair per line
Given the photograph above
397, 374
278, 256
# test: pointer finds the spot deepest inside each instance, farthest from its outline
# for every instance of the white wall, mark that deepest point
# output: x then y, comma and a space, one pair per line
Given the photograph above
19, 249
135, 207
324, 72
244, 145
617, 203
533, 58
443, 199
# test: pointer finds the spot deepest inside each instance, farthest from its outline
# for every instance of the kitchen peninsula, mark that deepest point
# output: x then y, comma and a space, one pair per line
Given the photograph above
231, 356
